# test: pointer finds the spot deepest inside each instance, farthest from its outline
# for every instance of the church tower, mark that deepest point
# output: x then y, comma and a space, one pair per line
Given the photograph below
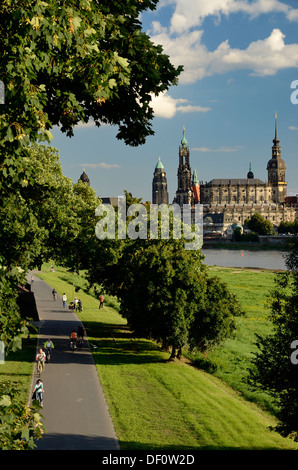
85, 178
276, 168
184, 191
159, 185
196, 188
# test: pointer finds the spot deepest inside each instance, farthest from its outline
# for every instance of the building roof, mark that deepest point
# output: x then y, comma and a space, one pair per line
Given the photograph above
235, 181
159, 164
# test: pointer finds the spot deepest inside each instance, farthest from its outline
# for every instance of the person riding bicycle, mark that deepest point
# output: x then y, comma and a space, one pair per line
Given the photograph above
73, 337
38, 392
48, 346
40, 359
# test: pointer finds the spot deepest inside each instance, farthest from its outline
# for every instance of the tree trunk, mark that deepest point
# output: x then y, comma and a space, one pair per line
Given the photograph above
173, 354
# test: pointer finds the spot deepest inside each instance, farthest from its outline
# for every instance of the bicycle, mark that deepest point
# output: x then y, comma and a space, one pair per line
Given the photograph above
73, 344
39, 367
48, 355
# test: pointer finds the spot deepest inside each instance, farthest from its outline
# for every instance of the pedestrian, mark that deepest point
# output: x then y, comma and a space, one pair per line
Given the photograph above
64, 300
38, 392
101, 300
54, 292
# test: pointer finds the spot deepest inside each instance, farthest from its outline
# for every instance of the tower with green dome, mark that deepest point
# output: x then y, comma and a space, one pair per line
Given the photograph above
159, 185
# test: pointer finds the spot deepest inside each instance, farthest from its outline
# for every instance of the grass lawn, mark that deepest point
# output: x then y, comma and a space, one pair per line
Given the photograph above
157, 404
232, 359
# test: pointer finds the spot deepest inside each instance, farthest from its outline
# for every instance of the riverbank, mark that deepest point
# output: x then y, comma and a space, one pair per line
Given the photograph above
219, 244
158, 404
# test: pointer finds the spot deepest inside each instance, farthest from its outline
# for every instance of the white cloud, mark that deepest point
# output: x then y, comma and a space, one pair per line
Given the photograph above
293, 128
165, 106
262, 57
189, 14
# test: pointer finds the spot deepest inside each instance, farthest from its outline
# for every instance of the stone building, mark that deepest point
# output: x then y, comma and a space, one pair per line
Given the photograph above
237, 199
159, 185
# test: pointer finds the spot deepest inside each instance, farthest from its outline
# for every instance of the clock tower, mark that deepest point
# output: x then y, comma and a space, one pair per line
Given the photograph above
159, 185
276, 168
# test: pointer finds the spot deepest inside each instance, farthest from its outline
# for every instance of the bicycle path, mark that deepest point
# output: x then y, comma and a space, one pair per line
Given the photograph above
76, 416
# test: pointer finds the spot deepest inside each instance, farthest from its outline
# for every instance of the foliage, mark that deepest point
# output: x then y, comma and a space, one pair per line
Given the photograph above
288, 227
165, 294
20, 425
273, 369
65, 62
259, 224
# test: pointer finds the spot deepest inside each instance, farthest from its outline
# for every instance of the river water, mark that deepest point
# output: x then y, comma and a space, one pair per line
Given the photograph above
270, 259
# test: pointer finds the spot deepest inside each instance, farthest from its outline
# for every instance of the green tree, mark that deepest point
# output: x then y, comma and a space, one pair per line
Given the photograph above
20, 425
165, 294
259, 224
65, 62
274, 368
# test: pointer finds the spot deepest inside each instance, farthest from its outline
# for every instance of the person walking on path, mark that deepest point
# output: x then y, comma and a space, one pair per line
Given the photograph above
64, 300
101, 300
38, 392
54, 292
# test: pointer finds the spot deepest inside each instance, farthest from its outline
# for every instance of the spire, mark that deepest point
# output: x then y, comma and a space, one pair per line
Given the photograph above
184, 141
276, 139
250, 173
195, 187
195, 178
159, 164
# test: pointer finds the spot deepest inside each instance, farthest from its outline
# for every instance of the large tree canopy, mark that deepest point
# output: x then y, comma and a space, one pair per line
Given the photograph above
274, 367
63, 62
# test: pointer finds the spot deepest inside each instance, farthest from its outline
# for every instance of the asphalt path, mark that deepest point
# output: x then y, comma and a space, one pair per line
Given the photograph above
76, 416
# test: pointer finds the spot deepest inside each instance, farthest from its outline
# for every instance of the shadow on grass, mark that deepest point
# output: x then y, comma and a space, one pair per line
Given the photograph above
114, 344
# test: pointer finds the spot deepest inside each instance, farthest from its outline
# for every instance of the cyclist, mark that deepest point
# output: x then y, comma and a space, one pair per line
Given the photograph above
38, 392
73, 338
48, 346
40, 359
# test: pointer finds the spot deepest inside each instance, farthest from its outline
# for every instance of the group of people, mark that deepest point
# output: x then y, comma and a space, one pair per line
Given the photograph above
41, 358
75, 305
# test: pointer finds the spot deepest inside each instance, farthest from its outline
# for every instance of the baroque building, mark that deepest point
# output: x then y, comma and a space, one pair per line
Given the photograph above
233, 200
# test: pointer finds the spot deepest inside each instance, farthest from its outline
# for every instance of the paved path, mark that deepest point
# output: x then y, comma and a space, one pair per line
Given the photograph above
75, 411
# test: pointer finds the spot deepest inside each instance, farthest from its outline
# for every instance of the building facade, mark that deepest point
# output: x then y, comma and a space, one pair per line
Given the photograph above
231, 201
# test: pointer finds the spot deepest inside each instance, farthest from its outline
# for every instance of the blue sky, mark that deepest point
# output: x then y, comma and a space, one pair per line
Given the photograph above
240, 58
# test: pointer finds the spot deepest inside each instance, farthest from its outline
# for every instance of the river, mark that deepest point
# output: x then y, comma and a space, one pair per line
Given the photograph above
270, 259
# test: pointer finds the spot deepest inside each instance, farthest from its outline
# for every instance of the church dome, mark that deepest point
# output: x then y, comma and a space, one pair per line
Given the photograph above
278, 163
159, 165
250, 174
85, 178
